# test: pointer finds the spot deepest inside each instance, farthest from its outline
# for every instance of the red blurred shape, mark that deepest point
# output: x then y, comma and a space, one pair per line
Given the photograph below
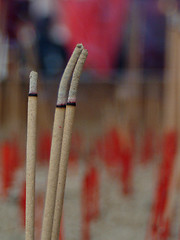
126, 156
99, 26
6, 167
160, 227
10, 162
90, 200
112, 151
117, 153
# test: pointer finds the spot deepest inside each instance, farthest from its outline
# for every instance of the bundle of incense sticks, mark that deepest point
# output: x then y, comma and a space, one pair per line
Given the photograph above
60, 147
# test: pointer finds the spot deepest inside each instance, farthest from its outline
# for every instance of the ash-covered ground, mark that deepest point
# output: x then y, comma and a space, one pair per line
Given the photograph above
122, 217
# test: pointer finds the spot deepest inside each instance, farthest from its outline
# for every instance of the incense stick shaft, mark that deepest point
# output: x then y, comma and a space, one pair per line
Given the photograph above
172, 193
170, 98
69, 118
53, 173
68, 125
56, 145
30, 167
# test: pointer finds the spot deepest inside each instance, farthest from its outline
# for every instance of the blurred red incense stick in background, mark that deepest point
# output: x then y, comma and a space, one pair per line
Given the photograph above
6, 167
117, 152
159, 227
90, 200
168, 214
10, 162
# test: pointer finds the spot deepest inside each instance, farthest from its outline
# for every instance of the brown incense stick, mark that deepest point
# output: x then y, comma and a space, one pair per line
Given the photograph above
56, 145
172, 194
68, 125
170, 89
31, 156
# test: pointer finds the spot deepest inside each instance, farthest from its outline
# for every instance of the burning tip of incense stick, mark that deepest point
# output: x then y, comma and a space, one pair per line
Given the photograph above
33, 82
65, 80
76, 76
79, 45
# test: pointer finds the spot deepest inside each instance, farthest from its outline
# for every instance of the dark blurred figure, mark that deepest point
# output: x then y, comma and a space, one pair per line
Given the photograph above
14, 13
18, 29
32, 38
52, 55
144, 37
153, 33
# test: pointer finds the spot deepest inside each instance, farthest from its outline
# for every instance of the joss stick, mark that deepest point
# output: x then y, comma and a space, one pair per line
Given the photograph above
31, 157
172, 193
170, 77
67, 133
56, 145
170, 109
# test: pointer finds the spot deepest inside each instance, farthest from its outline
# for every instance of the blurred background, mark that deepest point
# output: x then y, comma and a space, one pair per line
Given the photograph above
123, 174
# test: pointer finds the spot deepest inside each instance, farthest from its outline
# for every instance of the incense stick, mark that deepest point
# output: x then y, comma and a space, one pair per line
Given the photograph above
56, 145
31, 156
170, 88
68, 125
172, 194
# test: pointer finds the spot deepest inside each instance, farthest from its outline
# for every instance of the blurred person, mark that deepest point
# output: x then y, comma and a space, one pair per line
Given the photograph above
147, 17
153, 33
40, 9
52, 53
16, 14
26, 30
18, 29
50, 38
16, 18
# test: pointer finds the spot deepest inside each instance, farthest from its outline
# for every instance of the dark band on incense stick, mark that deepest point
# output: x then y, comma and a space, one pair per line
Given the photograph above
61, 105
71, 103
32, 95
